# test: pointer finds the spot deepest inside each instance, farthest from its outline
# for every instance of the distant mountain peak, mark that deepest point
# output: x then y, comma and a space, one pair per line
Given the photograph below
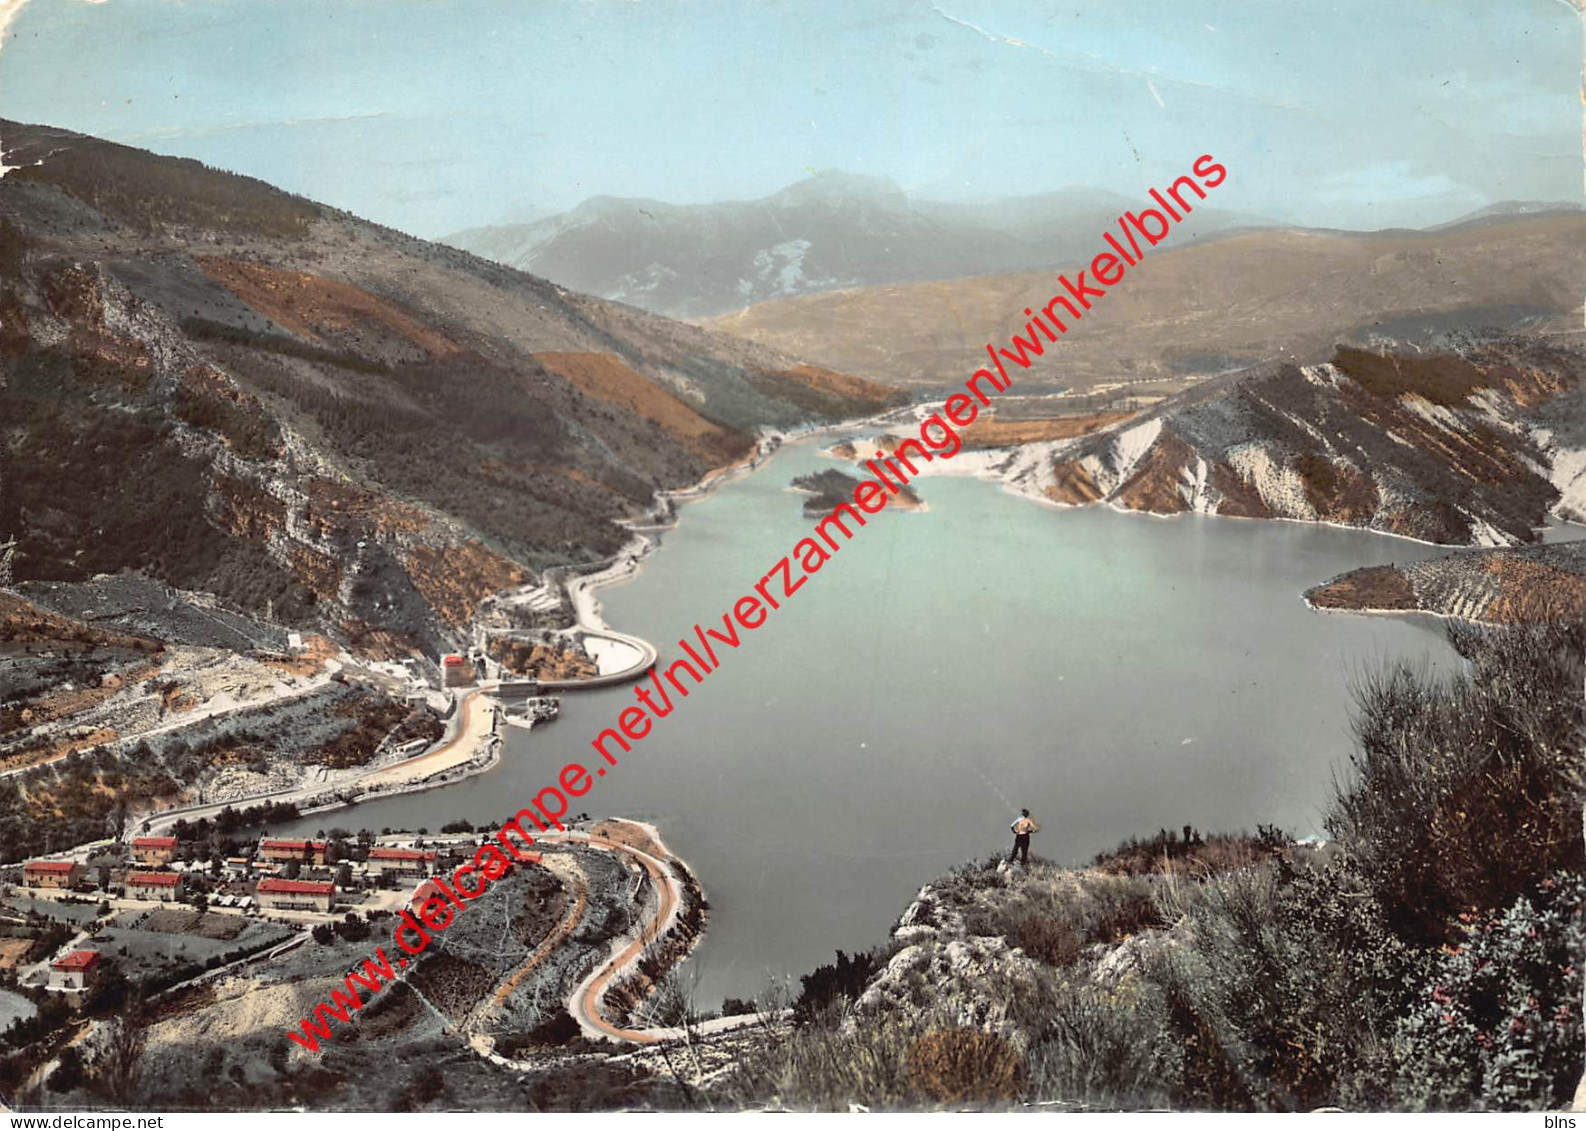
834, 185
833, 229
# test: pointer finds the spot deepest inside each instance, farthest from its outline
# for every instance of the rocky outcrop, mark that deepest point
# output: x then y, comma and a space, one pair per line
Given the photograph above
1506, 586
1438, 447
956, 982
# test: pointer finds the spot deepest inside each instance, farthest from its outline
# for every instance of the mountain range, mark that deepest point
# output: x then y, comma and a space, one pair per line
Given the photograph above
832, 230
1207, 307
240, 391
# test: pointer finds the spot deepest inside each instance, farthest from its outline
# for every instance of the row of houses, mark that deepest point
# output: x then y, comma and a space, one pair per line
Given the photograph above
158, 876
271, 892
383, 860
160, 851
159, 883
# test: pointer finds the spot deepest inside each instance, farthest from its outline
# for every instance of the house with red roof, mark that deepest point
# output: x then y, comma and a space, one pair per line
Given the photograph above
51, 873
296, 895
429, 889
75, 970
163, 886
387, 861
454, 671
154, 849
280, 851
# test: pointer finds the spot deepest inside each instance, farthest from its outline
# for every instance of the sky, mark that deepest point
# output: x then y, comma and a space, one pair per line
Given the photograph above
436, 115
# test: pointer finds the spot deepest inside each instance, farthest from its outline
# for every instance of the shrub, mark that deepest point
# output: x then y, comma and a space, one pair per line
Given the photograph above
1497, 1022
1106, 1050
1128, 912
822, 1065
1048, 940
352, 928
556, 1030
1467, 793
966, 1065
427, 1087
68, 1073
827, 985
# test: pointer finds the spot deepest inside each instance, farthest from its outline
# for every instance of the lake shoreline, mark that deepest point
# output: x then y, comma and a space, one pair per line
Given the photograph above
664, 516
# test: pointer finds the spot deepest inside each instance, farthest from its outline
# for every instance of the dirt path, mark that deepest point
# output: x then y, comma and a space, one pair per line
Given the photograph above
551, 941
586, 1003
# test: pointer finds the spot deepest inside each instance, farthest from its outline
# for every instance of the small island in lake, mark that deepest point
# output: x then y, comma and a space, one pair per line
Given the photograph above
830, 487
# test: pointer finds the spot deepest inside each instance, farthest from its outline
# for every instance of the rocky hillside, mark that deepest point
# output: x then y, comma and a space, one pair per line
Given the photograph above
829, 231
240, 391
1207, 307
1437, 447
1492, 586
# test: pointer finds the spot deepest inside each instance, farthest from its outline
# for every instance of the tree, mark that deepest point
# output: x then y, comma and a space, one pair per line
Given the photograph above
104, 877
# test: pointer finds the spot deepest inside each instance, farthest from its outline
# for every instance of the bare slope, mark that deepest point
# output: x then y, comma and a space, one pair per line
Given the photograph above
1203, 308
237, 390
1442, 447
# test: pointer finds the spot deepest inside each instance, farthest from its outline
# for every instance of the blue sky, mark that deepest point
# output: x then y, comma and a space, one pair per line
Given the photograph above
434, 116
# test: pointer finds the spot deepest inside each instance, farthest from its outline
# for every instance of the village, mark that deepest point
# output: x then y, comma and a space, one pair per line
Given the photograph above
188, 891
202, 882
207, 933
163, 907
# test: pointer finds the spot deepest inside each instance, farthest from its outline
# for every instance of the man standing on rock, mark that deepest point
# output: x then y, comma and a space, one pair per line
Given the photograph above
1022, 828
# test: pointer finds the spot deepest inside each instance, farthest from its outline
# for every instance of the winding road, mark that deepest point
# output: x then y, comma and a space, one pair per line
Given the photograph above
588, 999
586, 1003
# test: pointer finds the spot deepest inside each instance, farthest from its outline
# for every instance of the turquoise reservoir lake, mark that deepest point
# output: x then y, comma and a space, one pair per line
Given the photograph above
1115, 673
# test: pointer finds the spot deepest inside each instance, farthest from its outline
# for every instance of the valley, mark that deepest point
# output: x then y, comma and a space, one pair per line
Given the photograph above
301, 503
